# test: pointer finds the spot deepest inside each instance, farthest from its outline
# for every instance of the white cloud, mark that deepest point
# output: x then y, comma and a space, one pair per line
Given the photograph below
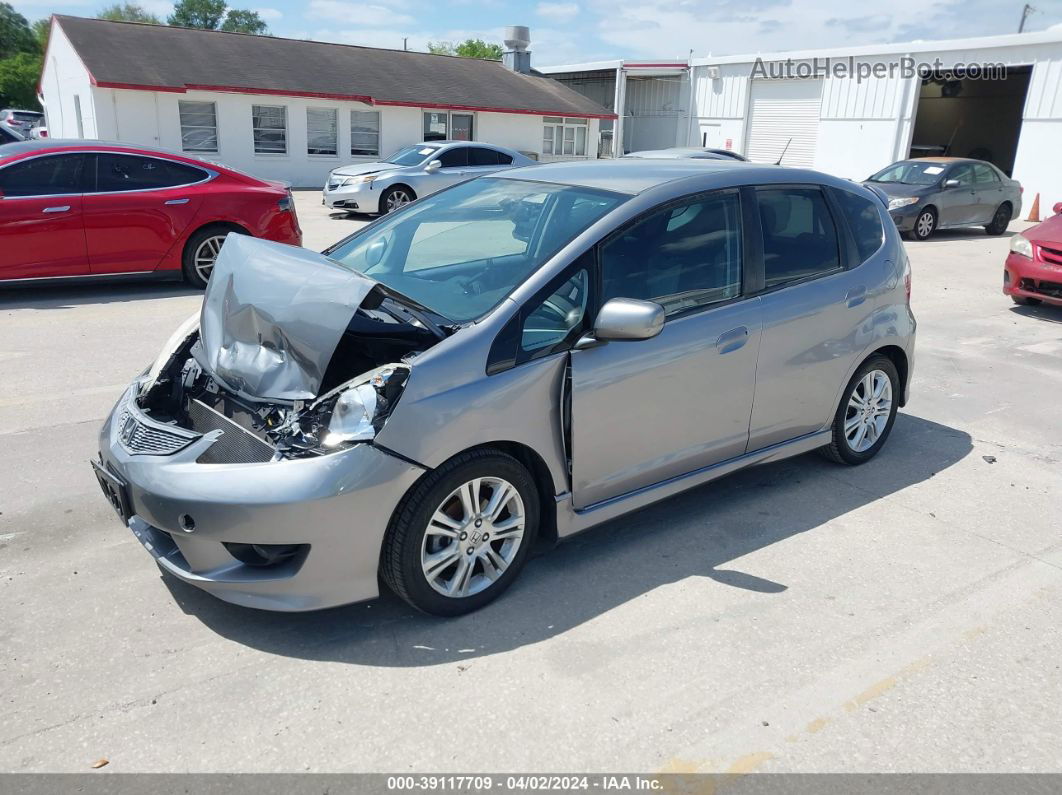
557, 11
160, 8
269, 14
355, 13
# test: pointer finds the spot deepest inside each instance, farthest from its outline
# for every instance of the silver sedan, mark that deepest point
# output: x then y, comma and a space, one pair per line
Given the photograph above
415, 171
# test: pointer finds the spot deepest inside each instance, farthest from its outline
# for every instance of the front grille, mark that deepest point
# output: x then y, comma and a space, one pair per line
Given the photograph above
142, 439
1053, 289
236, 445
1050, 254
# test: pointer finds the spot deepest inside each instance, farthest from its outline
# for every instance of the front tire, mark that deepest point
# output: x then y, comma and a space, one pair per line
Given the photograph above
395, 198
867, 412
463, 533
925, 224
1022, 300
201, 252
1000, 221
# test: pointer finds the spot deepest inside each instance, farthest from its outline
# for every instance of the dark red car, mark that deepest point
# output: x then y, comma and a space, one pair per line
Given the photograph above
86, 208
1033, 271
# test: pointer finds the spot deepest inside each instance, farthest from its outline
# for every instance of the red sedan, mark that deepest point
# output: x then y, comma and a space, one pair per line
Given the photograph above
1033, 271
85, 208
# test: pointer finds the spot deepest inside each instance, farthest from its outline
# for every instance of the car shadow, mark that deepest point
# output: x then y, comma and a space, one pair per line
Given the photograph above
64, 297
695, 534
961, 233
1048, 312
343, 215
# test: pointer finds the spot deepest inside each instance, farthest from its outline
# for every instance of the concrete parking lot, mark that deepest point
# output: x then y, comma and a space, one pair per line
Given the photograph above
900, 616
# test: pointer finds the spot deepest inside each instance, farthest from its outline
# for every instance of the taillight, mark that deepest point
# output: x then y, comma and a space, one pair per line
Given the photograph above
286, 204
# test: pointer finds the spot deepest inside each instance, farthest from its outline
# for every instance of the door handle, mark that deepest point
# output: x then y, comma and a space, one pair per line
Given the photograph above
856, 296
730, 341
61, 209
177, 201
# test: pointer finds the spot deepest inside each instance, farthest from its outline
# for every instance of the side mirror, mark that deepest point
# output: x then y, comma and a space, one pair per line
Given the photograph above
1057, 208
625, 319
433, 166
951, 183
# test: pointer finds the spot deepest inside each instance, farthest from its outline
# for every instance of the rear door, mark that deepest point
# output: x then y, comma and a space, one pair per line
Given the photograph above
815, 311
990, 192
43, 231
138, 208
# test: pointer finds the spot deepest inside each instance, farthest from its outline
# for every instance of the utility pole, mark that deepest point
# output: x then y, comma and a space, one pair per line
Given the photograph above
1025, 12
405, 41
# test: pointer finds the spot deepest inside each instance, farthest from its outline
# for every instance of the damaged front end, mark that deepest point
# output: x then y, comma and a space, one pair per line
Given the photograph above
292, 356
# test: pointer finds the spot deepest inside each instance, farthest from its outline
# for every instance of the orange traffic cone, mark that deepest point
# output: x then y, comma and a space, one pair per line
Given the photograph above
1034, 213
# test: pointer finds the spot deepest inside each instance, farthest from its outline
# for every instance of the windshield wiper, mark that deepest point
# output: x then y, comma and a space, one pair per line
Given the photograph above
403, 309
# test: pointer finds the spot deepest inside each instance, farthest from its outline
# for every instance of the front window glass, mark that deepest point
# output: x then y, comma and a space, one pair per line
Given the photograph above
910, 173
412, 155
42, 176
461, 251
556, 317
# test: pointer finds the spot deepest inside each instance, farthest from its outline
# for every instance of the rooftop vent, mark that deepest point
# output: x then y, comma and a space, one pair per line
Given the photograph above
516, 56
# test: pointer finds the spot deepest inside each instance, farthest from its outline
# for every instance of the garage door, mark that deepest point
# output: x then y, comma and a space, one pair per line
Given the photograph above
780, 110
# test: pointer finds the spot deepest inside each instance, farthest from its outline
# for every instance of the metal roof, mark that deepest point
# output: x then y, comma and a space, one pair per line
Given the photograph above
165, 58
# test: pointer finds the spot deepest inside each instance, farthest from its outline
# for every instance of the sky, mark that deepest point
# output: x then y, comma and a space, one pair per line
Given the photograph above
565, 32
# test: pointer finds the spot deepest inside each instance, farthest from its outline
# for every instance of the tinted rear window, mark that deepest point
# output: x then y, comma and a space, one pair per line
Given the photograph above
864, 221
478, 156
128, 172
799, 235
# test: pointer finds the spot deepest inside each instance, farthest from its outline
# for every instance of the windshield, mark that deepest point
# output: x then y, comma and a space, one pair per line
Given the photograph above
460, 252
910, 173
411, 155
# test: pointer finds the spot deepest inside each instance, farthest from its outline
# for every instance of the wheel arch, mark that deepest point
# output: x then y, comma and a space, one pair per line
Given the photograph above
898, 357
232, 226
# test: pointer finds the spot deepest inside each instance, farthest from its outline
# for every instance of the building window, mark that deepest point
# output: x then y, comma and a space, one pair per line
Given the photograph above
321, 135
565, 137
365, 133
269, 124
199, 126
436, 126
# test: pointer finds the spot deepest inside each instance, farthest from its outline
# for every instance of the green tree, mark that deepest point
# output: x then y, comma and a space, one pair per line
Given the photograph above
18, 81
205, 14
470, 48
128, 12
242, 21
15, 33
40, 30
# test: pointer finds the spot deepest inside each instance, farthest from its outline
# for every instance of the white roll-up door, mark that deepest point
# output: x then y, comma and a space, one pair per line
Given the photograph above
780, 110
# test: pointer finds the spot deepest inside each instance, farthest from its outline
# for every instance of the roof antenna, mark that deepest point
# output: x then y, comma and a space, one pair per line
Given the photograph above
778, 162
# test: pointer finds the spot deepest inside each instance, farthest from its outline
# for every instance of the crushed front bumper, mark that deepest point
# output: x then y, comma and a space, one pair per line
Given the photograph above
191, 517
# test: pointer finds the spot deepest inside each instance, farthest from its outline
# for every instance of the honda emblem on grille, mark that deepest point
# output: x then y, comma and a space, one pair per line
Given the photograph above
125, 433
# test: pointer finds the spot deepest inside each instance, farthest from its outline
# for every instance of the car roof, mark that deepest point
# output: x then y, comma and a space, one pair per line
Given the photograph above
635, 175
40, 144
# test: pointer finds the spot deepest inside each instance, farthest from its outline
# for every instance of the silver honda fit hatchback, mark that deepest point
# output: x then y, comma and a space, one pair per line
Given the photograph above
509, 361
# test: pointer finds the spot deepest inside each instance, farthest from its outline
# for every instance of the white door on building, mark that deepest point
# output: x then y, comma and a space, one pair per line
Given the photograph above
784, 112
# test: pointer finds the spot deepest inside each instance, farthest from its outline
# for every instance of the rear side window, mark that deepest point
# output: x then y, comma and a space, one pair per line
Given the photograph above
799, 235
864, 221
985, 173
128, 172
479, 156
43, 176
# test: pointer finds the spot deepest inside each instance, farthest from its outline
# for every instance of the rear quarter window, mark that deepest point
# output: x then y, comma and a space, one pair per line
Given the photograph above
864, 221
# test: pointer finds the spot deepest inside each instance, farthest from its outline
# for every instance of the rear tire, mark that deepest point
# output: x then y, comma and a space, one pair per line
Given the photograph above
1000, 221
462, 534
866, 414
200, 253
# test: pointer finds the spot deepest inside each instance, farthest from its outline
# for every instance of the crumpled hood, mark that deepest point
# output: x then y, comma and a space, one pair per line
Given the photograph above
357, 169
273, 315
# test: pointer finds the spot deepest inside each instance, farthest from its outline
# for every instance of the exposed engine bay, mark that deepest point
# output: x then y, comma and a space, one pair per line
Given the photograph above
305, 371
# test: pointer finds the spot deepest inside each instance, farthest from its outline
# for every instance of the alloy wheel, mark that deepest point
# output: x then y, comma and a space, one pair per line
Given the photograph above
473, 537
206, 255
869, 407
396, 199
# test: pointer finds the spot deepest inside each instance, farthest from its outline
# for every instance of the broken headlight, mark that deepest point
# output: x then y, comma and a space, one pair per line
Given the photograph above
351, 413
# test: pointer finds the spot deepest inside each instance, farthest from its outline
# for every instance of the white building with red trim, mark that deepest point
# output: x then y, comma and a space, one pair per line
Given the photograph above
294, 110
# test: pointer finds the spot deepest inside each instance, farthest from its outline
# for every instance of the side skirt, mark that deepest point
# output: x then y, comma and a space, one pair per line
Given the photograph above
571, 521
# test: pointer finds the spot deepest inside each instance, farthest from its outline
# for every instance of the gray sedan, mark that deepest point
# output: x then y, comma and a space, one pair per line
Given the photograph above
930, 193
413, 172
501, 366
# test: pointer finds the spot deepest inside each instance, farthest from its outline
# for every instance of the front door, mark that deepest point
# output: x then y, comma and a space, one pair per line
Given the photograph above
138, 209
649, 410
958, 203
41, 218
